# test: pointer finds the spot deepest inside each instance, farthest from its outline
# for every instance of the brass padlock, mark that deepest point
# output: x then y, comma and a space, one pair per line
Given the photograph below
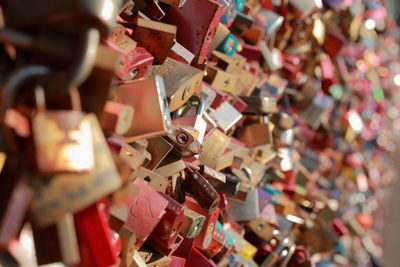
71, 192
145, 94
181, 81
62, 138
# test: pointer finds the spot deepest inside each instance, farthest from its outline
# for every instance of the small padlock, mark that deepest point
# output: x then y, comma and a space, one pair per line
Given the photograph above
63, 138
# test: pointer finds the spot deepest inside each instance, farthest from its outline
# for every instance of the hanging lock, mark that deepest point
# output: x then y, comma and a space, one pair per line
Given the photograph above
63, 138
184, 140
196, 121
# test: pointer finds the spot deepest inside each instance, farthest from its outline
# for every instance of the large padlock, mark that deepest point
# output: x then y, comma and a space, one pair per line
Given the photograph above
196, 39
181, 81
71, 192
144, 94
62, 138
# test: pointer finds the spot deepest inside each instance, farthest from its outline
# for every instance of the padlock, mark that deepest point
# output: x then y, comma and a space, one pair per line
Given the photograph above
63, 139
220, 79
334, 42
231, 185
152, 94
214, 177
221, 32
255, 134
117, 117
181, 81
180, 53
248, 250
195, 121
272, 22
167, 230
145, 210
247, 210
261, 229
201, 190
259, 105
217, 243
141, 63
241, 23
228, 45
184, 139
154, 180
272, 58
156, 37
94, 237
251, 52
214, 145
192, 223
153, 10
63, 240
225, 116
72, 192
213, 97
231, 64
199, 40
203, 240
254, 34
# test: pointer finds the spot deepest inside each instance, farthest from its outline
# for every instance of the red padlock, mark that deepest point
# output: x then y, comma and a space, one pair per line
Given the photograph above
203, 240
95, 237
145, 210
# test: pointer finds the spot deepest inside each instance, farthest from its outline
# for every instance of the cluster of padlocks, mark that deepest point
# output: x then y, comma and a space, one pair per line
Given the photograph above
195, 132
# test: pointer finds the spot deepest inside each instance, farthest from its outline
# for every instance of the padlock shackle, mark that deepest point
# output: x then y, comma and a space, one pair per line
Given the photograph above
10, 89
16, 80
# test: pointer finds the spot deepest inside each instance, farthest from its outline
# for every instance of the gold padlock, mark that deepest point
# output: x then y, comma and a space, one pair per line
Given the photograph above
62, 138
